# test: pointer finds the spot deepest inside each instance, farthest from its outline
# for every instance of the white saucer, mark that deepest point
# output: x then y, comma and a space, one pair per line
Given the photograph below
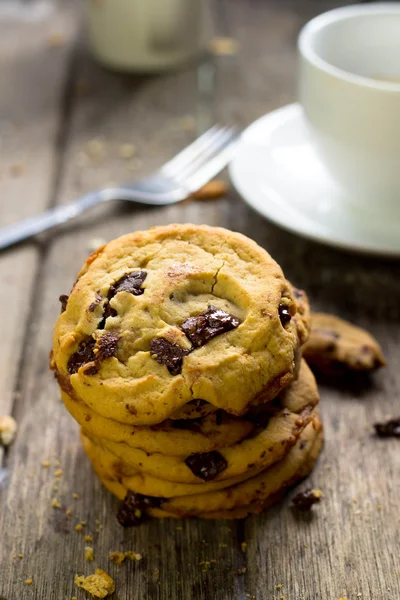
277, 171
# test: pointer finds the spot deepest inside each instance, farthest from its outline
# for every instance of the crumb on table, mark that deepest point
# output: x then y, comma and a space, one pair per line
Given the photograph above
89, 554
8, 430
213, 189
119, 557
56, 39
223, 46
100, 584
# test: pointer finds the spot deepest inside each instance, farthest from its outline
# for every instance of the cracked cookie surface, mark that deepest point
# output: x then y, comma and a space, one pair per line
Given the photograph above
163, 318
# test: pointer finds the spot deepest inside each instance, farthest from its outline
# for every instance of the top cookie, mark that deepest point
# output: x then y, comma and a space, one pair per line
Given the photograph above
162, 317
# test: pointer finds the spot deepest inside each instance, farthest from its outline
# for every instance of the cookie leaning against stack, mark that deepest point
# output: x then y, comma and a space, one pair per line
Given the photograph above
178, 352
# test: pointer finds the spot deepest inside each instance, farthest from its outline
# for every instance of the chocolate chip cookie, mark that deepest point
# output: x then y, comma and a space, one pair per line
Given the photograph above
277, 428
336, 347
236, 501
163, 318
178, 351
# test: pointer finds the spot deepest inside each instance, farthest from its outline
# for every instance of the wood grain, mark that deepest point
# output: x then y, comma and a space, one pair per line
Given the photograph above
33, 87
346, 548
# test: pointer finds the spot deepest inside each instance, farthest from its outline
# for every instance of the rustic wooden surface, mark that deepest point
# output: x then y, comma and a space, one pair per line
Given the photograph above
53, 101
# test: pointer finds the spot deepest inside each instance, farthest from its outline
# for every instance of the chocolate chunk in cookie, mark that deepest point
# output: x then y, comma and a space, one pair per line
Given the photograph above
83, 355
106, 346
95, 303
390, 428
168, 354
204, 327
305, 500
336, 347
92, 351
64, 301
131, 282
132, 510
206, 465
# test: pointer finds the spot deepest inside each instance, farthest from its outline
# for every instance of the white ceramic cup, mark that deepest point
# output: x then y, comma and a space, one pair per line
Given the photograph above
350, 91
147, 35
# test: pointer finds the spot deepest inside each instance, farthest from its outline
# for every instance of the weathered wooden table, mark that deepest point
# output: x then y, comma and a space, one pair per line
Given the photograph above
54, 101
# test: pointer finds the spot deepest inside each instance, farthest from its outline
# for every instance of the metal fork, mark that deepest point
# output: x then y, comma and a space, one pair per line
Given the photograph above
175, 181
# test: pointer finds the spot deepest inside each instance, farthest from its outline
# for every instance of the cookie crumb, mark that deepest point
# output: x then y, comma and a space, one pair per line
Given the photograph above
17, 169
241, 571
8, 430
20, 556
223, 46
95, 150
74, 598
68, 512
75, 496
243, 546
29, 581
45, 463
279, 586
79, 527
55, 503
100, 584
317, 493
55, 40
127, 151
89, 554
119, 557
133, 555
58, 473
88, 538
211, 190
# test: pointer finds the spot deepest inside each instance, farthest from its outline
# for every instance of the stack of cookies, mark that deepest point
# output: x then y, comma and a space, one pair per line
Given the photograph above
178, 353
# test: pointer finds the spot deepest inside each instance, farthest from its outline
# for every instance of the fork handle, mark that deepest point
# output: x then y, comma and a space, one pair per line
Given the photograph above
51, 218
